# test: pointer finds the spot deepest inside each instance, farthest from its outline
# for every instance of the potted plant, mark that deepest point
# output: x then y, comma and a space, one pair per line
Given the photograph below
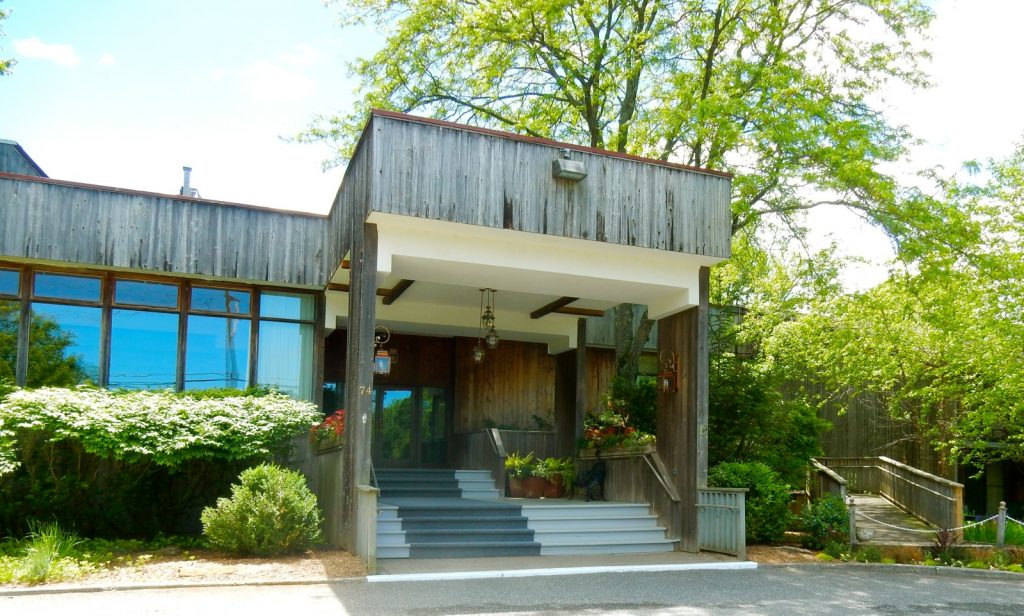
329, 433
518, 468
534, 483
558, 473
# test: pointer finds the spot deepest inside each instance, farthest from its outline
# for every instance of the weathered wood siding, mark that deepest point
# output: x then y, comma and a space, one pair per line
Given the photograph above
351, 204
515, 381
459, 175
41, 219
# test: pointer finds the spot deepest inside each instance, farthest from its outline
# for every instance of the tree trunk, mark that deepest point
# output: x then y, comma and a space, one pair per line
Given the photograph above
630, 337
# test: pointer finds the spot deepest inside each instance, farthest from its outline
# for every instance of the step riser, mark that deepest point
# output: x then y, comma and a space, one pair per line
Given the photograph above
596, 524
435, 512
419, 538
454, 525
599, 536
577, 513
642, 548
472, 551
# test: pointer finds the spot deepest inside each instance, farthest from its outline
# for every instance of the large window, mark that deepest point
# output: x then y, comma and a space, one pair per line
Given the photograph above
134, 333
286, 337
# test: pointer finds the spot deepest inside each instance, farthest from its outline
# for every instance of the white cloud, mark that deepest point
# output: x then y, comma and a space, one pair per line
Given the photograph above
58, 53
107, 59
303, 55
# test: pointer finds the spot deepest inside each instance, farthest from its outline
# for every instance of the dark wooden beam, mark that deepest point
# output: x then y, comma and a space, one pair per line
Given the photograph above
397, 291
553, 306
337, 286
580, 312
581, 377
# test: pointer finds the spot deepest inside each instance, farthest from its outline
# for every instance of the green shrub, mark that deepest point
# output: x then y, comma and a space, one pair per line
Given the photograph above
825, 520
868, 554
133, 463
767, 501
47, 545
271, 511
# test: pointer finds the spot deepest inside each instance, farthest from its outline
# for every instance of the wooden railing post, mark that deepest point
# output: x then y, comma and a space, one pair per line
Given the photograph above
1001, 525
851, 508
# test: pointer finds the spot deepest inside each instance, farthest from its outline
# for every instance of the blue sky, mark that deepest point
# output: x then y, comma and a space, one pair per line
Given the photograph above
126, 92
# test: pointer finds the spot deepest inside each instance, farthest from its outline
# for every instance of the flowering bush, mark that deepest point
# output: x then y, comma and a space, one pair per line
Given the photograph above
612, 429
163, 426
332, 427
134, 463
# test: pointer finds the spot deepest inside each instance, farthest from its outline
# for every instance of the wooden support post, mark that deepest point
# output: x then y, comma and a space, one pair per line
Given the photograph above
581, 376
682, 417
851, 509
1001, 525
362, 309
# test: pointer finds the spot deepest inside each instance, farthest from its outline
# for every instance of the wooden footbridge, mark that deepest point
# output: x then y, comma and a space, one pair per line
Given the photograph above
893, 502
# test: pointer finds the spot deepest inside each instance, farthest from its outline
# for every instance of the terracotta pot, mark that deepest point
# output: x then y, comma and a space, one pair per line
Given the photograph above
553, 487
533, 487
515, 487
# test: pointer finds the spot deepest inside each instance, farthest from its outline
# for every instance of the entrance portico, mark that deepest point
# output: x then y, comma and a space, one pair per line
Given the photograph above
431, 212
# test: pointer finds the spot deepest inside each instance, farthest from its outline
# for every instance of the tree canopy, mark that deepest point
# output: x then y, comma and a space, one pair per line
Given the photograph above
5, 63
779, 91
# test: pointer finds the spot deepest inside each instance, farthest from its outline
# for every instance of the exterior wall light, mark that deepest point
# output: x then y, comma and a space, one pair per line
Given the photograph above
381, 357
668, 376
566, 169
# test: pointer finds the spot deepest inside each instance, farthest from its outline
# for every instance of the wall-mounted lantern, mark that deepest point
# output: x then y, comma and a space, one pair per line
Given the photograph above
381, 357
567, 169
668, 376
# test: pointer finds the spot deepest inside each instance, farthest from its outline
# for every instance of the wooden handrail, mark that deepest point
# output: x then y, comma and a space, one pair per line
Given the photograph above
921, 473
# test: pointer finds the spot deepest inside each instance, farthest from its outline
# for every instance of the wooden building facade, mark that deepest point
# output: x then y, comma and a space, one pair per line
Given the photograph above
429, 214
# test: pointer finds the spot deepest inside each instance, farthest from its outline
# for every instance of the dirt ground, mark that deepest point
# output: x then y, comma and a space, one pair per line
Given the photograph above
211, 567
203, 566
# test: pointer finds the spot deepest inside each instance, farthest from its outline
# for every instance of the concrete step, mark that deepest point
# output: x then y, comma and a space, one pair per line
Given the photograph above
469, 535
608, 547
422, 490
472, 509
464, 549
631, 521
392, 551
462, 522
449, 483
583, 511
573, 536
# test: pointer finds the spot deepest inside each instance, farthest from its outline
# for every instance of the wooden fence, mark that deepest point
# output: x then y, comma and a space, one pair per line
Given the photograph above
823, 480
721, 520
935, 500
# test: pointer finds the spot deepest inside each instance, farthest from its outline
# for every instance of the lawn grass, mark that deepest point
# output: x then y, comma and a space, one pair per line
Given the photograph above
986, 533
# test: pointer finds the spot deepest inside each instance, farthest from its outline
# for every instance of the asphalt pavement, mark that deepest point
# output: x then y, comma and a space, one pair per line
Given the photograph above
769, 591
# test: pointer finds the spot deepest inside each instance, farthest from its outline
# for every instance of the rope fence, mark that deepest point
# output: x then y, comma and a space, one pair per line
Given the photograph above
1000, 519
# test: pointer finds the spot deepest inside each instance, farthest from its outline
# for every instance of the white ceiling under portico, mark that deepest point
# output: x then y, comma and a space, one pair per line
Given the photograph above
450, 262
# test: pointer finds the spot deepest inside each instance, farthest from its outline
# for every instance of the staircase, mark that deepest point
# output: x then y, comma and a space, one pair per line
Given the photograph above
435, 513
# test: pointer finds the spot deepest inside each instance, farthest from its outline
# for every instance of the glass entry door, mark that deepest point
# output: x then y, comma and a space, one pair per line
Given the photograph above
409, 426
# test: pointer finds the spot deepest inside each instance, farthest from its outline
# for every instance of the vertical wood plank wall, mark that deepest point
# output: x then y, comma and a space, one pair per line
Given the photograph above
506, 183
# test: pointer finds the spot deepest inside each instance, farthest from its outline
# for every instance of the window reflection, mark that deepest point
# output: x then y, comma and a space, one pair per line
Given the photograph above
144, 293
285, 358
63, 286
230, 301
64, 345
292, 306
143, 349
9, 282
10, 322
217, 352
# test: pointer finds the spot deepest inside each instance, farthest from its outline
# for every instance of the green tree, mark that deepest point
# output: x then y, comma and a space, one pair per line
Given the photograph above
775, 90
941, 343
5, 63
48, 360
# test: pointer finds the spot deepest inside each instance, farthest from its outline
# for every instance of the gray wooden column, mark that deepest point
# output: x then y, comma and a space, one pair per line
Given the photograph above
682, 415
362, 309
581, 377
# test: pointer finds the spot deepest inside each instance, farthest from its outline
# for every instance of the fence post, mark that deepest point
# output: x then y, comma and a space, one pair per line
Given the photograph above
1001, 525
851, 507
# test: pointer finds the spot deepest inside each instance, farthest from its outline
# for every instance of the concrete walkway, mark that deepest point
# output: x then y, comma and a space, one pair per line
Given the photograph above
407, 566
878, 508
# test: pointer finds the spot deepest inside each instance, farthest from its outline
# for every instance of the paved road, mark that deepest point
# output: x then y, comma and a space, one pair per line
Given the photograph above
770, 592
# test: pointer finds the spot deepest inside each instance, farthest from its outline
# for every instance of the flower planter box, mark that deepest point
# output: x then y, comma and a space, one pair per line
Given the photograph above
329, 443
618, 452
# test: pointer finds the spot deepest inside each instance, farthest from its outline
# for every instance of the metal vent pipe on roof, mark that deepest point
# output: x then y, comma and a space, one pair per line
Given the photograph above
186, 188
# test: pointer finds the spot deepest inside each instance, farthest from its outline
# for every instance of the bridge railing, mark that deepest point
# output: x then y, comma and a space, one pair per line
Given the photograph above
935, 500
